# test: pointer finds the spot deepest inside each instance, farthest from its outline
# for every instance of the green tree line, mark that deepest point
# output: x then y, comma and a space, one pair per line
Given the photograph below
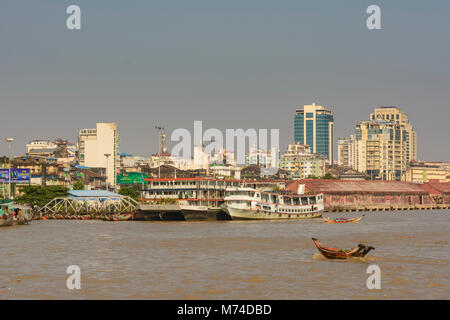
40, 196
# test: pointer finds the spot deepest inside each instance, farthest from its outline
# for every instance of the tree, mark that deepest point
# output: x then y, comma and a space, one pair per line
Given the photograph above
40, 196
78, 185
327, 176
132, 192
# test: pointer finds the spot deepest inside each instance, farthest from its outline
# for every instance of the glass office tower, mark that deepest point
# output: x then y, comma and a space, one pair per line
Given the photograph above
314, 126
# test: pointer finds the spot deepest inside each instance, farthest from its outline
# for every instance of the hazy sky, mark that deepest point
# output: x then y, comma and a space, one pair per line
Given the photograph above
231, 63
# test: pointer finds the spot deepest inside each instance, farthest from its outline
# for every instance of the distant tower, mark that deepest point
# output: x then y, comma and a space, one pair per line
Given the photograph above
161, 139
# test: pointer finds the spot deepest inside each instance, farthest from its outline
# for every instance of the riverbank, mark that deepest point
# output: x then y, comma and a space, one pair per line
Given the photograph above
104, 217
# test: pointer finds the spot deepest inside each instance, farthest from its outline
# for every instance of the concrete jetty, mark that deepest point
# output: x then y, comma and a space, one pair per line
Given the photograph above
179, 212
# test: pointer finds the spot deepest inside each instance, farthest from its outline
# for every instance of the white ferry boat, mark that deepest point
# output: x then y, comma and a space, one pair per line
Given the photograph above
248, 203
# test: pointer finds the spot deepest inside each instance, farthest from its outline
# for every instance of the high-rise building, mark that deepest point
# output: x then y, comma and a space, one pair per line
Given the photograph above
385, 144
396, 115
346, 151
314, 126
99, 148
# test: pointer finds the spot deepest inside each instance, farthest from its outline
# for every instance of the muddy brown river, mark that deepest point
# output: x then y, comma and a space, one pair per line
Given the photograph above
227, 259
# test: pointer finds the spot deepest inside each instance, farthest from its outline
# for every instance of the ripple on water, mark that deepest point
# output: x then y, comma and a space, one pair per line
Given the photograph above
227, 260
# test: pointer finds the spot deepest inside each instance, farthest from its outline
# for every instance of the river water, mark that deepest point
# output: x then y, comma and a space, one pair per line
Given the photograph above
227, 259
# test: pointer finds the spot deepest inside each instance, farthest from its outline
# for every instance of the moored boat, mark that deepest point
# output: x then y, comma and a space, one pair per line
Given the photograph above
122, 217
360, 250
22, 214
6, 213
342, 220
248, 203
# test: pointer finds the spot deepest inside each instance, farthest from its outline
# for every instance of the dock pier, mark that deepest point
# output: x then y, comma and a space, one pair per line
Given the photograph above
178, 212
434, 206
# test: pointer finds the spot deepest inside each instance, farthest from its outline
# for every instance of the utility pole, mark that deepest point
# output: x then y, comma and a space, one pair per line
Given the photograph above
107, 155
9, 141
161, 145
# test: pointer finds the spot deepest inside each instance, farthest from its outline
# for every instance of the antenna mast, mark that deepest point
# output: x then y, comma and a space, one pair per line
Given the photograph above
161, 140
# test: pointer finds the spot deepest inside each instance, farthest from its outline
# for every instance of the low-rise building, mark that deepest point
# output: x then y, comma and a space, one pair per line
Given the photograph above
301, 163
424, 171
44, 172
224, 171
35, 147
259, 157
365, 194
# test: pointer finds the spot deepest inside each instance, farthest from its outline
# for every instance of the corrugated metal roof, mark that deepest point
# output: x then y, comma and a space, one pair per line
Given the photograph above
360, 186
79, 167
441, 187
93, 193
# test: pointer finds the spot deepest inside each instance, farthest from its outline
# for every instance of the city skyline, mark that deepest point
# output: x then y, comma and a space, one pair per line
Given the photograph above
284, 144
165, 67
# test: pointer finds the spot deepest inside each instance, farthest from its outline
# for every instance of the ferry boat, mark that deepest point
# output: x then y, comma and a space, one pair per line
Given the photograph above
248, 203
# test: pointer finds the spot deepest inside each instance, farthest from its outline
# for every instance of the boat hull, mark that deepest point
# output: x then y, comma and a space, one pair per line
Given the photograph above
249, 214
342, 221
332, 253
7, 221
192, 213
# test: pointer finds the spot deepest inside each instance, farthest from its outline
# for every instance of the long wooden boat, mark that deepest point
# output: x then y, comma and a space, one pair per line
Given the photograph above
342, 220
360, 250
123, 218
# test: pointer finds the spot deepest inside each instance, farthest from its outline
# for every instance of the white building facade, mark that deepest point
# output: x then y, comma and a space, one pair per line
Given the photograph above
99, 148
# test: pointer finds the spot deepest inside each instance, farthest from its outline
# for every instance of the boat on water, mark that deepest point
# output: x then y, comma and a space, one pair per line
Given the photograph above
123, 217
6, 212
23, 214
249, 203
342, 220
360, 250
11, 213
